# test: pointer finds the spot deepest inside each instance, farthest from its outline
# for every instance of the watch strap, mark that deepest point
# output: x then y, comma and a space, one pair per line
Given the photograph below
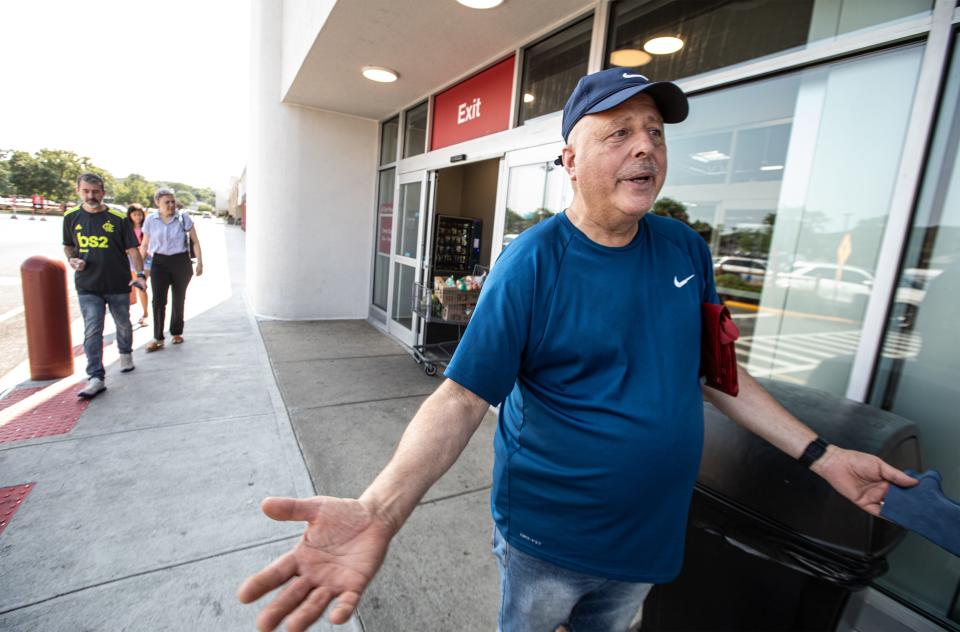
814, 451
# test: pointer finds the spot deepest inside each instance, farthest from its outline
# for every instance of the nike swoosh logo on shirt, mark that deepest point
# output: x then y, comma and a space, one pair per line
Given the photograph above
628, 76
684, 282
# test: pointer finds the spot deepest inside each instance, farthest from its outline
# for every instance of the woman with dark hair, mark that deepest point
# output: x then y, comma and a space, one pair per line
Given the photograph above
167, 236
136, 216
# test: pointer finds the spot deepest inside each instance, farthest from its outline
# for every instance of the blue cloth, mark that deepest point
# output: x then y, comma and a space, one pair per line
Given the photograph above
537, 595
167, 237
925, 509
595, 353
93, 308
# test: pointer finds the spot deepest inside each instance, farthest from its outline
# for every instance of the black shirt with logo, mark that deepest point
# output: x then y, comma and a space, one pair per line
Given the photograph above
101, 239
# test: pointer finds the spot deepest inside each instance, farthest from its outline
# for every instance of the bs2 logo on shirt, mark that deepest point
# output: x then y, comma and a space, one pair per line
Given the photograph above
94, 241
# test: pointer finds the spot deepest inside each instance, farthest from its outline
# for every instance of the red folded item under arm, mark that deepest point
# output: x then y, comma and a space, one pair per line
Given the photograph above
718, 356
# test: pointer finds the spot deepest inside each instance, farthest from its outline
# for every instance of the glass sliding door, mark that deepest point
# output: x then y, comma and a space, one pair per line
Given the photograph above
918, 373
536, 190
790, 181
406, 253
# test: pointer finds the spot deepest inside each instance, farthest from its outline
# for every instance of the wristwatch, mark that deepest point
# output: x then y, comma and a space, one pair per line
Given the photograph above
814, 451
141, 274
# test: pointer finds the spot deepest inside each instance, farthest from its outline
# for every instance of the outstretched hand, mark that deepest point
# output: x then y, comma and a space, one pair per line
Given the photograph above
860, 477
341, 550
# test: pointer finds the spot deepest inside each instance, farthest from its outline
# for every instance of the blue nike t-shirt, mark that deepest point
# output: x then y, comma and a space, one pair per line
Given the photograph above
594, 352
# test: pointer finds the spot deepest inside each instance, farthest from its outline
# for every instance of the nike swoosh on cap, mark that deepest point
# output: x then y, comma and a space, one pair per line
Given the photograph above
684, 282
628, 76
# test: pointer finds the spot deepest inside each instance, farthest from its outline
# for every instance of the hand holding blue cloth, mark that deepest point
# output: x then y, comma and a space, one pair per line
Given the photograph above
926, 510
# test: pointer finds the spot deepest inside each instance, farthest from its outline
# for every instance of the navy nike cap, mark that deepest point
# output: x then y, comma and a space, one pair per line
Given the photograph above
609, 88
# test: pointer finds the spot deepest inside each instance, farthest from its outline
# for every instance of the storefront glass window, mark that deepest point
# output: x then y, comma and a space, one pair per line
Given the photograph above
388, 140
534, 193
409, 218
381, 264
789, 180
719, 33
551, 69
415, 131
918, 374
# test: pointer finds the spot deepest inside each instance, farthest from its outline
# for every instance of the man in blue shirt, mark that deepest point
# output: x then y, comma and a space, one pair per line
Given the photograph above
588, 333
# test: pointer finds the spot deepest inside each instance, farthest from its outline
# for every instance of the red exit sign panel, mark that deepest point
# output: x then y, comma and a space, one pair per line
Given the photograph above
475, 107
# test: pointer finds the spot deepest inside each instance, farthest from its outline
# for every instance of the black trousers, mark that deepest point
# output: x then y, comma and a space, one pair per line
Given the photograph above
169, 272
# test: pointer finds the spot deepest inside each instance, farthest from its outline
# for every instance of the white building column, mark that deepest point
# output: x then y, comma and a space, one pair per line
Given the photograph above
311, 178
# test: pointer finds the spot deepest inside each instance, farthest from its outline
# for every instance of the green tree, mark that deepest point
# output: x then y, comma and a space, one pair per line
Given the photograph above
206, 195
186, 198
669, 207
203, 207
5, 187
134, 189
51, 173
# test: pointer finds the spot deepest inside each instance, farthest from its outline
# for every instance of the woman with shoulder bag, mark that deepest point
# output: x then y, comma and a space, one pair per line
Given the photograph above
168, 237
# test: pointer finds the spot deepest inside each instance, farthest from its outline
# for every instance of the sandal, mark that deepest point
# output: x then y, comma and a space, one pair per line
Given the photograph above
154, 345
177, 340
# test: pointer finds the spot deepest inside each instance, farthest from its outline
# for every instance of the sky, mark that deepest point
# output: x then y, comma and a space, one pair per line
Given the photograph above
152, 87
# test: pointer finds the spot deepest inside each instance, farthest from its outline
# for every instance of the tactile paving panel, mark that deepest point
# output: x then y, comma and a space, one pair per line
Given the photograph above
10, 500
18, 395
52, 416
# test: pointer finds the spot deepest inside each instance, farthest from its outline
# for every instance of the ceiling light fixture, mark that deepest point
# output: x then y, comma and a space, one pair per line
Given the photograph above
630, 58
528, 98
663, 45
380, 74
480, 4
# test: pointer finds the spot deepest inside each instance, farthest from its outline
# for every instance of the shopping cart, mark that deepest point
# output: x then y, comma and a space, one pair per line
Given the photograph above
438, 303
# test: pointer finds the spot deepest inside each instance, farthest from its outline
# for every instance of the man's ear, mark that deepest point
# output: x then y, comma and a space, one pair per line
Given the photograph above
569, 161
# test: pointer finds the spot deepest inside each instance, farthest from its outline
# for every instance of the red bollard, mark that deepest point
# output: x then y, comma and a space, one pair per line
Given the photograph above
47, 315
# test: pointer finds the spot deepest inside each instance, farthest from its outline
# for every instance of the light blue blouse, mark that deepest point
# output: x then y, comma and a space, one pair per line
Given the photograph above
167, 238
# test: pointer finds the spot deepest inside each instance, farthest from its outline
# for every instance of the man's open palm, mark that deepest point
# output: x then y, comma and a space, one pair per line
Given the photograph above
340, 551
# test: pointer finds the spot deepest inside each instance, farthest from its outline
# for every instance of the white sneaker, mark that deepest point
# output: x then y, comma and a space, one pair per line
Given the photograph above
94, 385
126, 362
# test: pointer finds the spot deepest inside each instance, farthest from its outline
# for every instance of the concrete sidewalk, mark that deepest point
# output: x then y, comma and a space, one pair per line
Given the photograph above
145, 515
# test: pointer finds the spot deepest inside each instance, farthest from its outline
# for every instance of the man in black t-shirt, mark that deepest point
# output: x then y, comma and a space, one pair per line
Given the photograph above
100, 245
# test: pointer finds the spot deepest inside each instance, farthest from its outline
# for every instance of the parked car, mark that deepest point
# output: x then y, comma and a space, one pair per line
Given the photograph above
820, 279
747, 267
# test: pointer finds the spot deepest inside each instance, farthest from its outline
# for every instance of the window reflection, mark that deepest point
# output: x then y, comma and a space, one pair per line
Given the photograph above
719, 33
415, 131
534, 193
789, 181
381, 264
918, 375
551, 69
388, 140
406, 242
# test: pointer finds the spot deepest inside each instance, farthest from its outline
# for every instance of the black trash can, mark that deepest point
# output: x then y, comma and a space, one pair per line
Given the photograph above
770, 545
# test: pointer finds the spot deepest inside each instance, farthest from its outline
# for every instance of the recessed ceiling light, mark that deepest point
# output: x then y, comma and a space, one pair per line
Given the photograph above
480, 4
528, 98
629, 58
378, 73
709, 156
663, 45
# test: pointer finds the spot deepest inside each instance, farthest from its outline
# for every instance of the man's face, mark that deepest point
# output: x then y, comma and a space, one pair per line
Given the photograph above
618, 159
90, 194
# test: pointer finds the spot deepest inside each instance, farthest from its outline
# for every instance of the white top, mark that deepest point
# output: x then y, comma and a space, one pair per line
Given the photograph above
167, 238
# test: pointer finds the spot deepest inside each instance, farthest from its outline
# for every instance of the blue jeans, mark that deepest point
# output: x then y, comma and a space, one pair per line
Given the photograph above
537, 596
93, 308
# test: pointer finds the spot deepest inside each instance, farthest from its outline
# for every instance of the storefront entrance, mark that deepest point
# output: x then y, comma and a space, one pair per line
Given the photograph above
405, 253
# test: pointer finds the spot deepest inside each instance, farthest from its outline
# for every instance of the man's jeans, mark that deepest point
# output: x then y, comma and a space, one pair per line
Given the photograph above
537, 596
93, 307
